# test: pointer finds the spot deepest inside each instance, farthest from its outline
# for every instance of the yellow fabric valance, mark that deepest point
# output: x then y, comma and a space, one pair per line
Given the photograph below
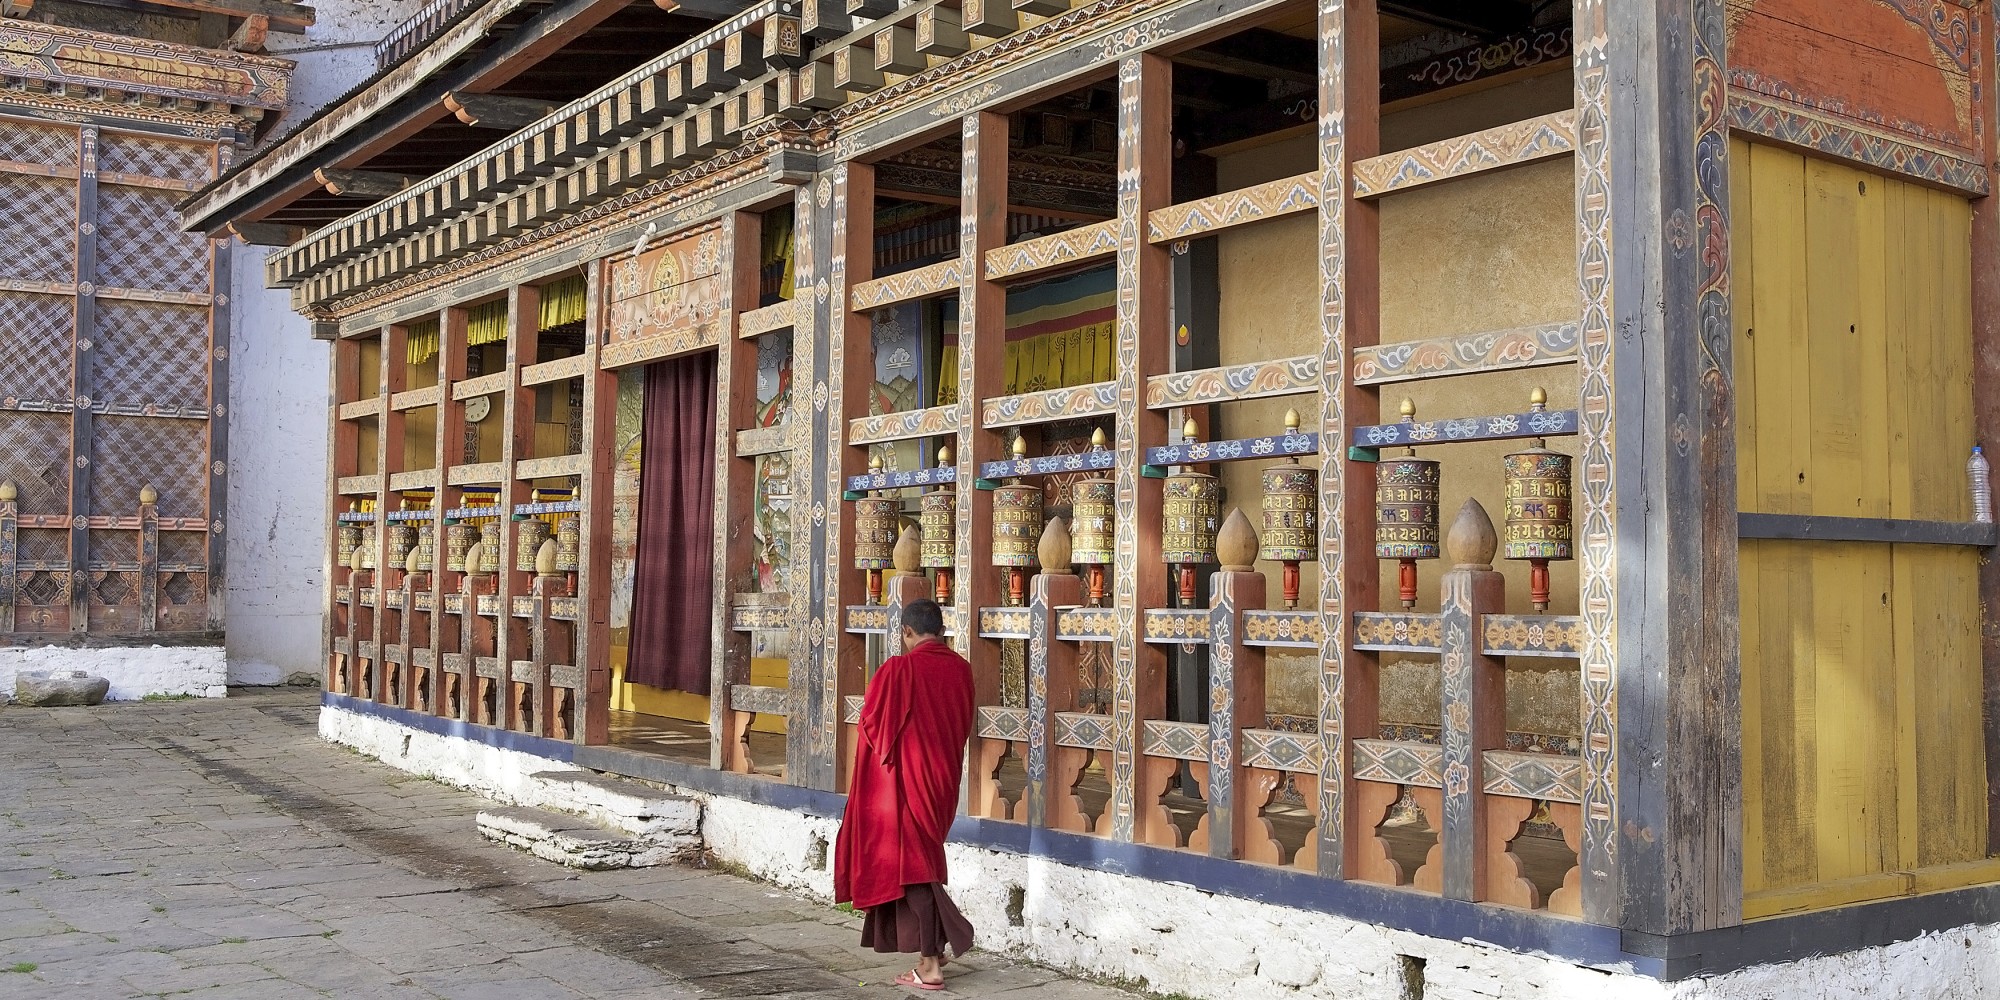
562, 302
422, 341
486, 323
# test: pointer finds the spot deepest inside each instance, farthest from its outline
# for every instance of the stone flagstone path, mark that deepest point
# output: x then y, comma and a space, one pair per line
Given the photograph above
215, 850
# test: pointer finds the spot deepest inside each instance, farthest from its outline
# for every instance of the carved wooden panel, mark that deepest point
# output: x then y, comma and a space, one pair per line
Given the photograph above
128, 453
34, 453
140, 245
149, 354
35, 367
38, 230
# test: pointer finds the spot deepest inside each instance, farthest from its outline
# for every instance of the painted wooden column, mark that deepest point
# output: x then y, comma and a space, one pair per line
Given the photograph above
899, 592
1986, 414
1139, 580
809, 746
593, 568
217, 558
1662, 807
342, 439
450, 452
392, 379
1052, 682
518, 413
1235, 703
10, 551
149, 559
1349, 130
1473, 696
83, 388
982, 356
735, 478
850, 372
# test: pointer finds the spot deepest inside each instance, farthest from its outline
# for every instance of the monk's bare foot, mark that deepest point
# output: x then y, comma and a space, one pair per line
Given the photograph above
930, 968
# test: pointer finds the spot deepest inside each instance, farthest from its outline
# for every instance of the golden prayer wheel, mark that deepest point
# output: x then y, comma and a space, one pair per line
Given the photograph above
489, 546
1406, 512
528, 538
349, 540
402, 538
457, 539
569, 544
1093, 523
367, 552
1291, 516
1539, 528
1191, 505
1017, 528
426, 546
938, 518
875, 529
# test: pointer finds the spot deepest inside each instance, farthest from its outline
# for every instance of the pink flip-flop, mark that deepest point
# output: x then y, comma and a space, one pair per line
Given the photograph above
916, 982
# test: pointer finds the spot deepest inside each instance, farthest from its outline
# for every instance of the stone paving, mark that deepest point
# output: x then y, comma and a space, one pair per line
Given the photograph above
216, 850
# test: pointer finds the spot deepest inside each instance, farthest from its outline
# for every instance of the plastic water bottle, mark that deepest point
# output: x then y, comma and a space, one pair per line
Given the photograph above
1981, 475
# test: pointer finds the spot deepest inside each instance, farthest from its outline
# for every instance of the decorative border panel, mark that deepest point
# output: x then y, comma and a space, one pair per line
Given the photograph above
997, 723
1499, 427
1179, 740
1283, 377
902, 426
761, 700
1404, 632
1042, 254
1086, 624
1845, 139
1399, 763
1499, 350
1083, 731
1548, 777
868, 619
941, 278
1533, 635
1004, 623
1074, 402
1276, 446
1274, 750
760, 618
1183, 625
1299, 629
1269, 200
1506, 146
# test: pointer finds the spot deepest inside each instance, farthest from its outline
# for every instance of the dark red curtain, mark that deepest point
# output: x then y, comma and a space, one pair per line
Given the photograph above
673, 605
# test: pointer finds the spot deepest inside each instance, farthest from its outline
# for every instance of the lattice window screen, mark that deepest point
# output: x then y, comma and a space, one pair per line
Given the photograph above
36, 362
144, 357
132, 452
34, 453
38, 229
119, 153
140, 245
46, 144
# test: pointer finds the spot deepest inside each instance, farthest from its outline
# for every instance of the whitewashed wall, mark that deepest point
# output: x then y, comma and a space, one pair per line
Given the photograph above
277, 395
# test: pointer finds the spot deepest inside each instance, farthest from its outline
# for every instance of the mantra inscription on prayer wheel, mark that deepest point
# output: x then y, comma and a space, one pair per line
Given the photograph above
569, 545
1406, 513
489, 547
875, 533
1291, 516
426, 550
1191, 507
350, 539
1539, 528
528, 539
938, 517
402, 538
458, 539
1017, 528
366, 554
1093, 524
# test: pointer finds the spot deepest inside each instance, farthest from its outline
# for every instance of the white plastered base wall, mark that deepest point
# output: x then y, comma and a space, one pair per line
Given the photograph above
134, 671
1178, 939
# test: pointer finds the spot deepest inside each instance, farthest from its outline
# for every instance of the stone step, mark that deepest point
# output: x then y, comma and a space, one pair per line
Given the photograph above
569, 840
637, 809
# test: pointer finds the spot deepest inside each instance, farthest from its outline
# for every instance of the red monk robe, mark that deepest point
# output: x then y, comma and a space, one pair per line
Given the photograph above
908, 766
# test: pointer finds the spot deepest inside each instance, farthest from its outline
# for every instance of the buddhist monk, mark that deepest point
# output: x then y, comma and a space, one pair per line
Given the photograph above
908, 762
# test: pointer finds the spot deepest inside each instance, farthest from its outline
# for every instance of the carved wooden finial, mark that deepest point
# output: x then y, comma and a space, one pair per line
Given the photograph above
1291, 421
147, 494
8, 491
545, 558
874, 463
1053, 550
1538, 399
410, 562
1020, 446
1471, 542
475, 559
354, 558
907, 556
1236, 544
944, 456
1408, 409
1190, 431
1097, 438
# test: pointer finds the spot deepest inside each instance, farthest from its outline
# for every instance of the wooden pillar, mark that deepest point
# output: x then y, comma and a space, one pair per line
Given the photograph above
1235, 703
341, 441
982, 355
149, 560
1662, 763
217, 558
388, 461
899, 592
450, 452
83, 385
518, 412
1051, 686
1474, 697
850, 372
10, 552
1986, 418
809, 747
1145, 176
1349, 130
735, 478
593, 576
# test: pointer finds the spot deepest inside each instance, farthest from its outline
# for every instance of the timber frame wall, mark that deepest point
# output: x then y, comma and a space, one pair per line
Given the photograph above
770, 110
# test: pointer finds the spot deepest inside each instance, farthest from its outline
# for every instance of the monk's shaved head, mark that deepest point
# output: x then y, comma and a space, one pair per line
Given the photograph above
924, 618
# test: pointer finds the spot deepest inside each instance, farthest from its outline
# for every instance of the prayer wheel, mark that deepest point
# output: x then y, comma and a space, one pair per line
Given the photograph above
1093, 523
1538, 529
349, 539
402, 538
528, 538
457, 539
569, 544
367, 552
1191, 509
875, 531
489, 546
1406, 512
1017, 528
426, 551
939, 519
1291, 516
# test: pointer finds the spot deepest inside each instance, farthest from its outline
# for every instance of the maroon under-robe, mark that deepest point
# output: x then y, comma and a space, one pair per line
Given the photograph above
908, 765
